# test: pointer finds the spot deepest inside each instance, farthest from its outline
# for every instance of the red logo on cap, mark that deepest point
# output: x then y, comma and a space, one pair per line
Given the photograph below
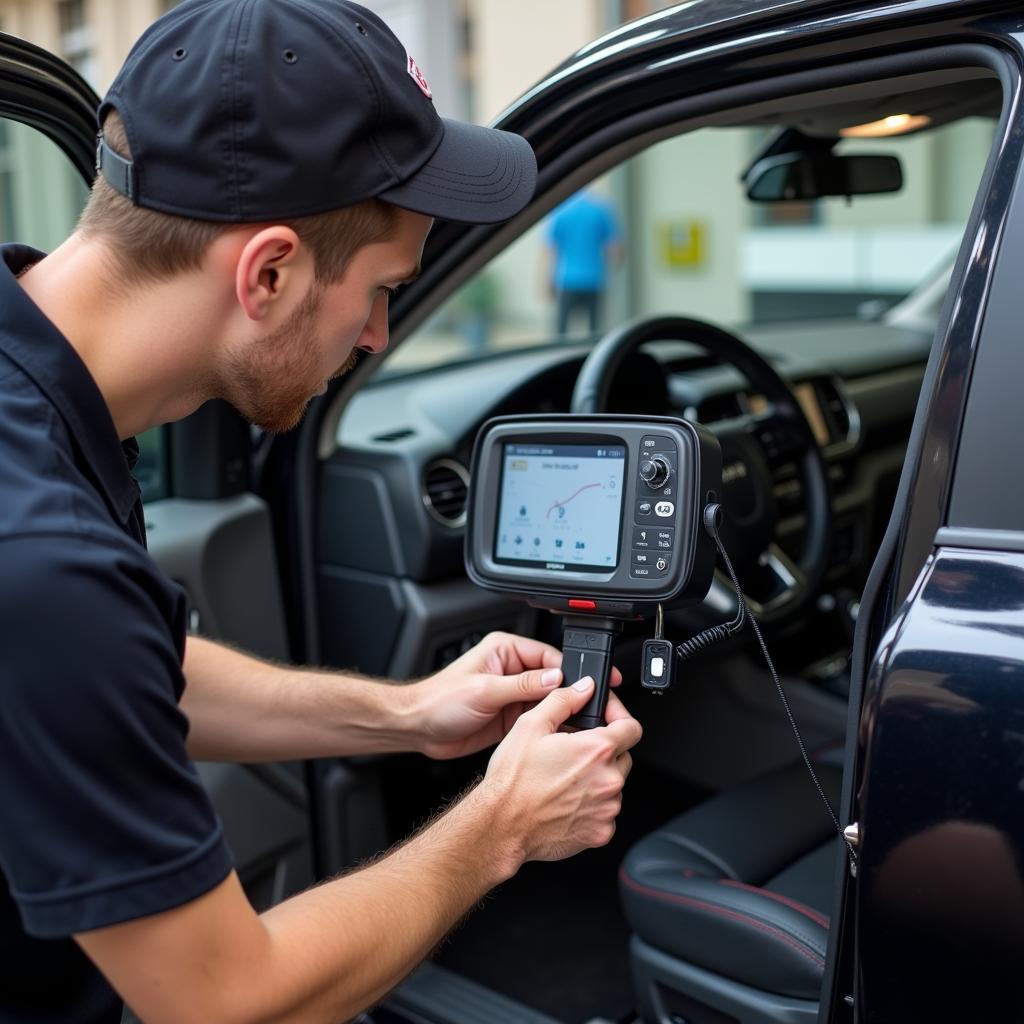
417, 76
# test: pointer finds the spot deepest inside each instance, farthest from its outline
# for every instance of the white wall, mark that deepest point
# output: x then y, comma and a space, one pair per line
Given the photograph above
692, 179
116, 24
519, 41
429, 29
516, 43
113, 26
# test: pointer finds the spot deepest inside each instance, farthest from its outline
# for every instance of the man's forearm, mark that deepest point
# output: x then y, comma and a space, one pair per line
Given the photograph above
243, 709
324, 955
349, 942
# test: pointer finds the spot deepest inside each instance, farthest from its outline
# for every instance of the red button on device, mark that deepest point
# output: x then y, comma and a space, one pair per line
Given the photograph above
579, 602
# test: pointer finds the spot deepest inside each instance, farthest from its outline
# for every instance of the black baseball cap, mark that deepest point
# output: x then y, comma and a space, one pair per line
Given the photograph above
252, 110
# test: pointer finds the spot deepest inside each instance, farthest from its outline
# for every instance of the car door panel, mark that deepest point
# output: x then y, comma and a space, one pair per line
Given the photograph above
938, 796
221, 552
942, 811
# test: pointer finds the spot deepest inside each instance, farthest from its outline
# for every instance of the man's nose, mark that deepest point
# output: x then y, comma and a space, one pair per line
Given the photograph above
374, 337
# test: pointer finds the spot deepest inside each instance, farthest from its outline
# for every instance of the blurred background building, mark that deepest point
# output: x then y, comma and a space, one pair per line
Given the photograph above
479, 54
686, 238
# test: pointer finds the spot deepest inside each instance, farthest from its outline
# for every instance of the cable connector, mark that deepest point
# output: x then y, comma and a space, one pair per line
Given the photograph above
713, 519
716, 634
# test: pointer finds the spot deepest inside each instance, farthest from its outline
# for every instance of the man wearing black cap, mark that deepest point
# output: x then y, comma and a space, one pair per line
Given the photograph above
269, 170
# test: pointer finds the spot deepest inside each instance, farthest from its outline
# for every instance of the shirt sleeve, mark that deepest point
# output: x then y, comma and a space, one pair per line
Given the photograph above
103, 817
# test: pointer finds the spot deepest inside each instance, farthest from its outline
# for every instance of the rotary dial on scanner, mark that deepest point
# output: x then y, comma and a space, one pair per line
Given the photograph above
655, 471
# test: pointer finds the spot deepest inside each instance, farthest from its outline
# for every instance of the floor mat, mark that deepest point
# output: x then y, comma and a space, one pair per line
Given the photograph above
554, 937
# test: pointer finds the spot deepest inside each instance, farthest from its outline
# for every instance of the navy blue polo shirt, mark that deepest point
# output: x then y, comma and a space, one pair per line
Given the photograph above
103, 818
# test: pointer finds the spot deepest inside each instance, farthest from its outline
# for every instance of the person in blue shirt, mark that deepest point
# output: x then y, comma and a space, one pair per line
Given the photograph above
584, 240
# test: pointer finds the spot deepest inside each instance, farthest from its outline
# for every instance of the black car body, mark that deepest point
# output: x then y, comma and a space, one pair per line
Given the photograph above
319, 546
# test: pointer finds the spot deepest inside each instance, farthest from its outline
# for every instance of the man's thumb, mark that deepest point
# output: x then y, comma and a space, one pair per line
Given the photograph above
564, 702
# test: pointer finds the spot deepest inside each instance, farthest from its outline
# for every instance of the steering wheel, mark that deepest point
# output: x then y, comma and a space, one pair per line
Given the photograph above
753, 446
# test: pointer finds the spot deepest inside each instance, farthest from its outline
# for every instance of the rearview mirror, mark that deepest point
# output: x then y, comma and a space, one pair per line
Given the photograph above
804, 176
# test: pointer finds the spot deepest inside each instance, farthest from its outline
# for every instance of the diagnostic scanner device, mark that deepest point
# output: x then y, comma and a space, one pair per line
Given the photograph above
596, 518
603, 519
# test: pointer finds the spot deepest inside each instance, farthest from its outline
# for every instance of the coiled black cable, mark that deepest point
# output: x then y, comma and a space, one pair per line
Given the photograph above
714, 634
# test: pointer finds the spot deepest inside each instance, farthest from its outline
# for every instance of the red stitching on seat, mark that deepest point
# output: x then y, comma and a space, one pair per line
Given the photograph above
701, 905
801, 908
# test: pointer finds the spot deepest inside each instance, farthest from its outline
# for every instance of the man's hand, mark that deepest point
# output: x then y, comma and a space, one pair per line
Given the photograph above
474, 702
330, 952
558, 793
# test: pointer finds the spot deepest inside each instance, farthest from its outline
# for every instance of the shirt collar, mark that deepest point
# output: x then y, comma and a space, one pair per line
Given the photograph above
47, 357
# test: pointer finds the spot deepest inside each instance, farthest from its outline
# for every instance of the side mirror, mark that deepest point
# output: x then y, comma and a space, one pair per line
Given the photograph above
804, 176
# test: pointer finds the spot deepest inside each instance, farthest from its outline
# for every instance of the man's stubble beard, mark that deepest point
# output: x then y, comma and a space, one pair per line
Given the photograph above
349, 364
272, 385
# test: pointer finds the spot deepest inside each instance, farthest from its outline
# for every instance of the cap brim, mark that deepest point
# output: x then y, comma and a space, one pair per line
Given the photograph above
476, 176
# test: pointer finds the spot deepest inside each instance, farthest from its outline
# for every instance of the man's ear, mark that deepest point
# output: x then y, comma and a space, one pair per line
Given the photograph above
273, 267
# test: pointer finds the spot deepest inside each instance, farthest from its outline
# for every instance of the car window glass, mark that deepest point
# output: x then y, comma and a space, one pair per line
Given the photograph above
671, 231
41, 196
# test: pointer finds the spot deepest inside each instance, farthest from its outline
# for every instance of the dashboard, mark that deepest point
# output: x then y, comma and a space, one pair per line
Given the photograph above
391, 501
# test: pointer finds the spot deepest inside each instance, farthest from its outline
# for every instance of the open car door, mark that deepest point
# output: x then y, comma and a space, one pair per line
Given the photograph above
934, 761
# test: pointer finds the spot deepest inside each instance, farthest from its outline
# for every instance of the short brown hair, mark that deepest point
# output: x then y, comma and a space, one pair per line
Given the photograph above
151, 246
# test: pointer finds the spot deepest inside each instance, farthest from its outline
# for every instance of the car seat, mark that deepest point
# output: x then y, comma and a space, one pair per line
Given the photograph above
729, 904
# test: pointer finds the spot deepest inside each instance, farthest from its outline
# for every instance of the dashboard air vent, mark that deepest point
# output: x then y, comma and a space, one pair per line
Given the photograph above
839, 412
396, 435
445, 487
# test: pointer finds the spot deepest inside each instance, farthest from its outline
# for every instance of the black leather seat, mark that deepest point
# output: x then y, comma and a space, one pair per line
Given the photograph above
729, 903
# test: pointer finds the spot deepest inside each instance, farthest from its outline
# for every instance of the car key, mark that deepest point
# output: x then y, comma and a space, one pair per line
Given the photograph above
658, 658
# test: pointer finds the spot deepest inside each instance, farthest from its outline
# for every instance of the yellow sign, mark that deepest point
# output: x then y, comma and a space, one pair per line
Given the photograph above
681, 243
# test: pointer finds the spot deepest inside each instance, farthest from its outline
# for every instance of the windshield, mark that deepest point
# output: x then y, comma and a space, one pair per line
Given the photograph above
671, 231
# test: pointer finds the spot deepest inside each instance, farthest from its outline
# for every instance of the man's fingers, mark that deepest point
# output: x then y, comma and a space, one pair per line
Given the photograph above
562, 703
625, 733
615, 709
529, 686
552, 657
518, 654
529, 653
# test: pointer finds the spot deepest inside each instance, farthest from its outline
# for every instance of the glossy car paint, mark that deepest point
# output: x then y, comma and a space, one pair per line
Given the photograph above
941, 902
961, 330
44, 92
